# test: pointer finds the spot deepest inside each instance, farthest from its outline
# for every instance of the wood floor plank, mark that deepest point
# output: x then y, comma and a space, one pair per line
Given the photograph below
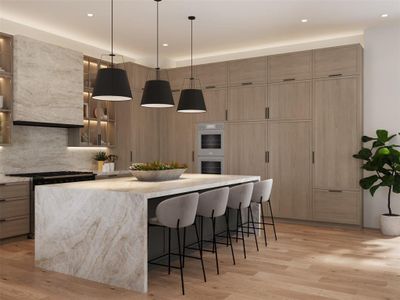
307, 262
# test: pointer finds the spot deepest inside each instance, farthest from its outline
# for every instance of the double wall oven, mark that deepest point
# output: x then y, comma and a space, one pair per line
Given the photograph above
210, 148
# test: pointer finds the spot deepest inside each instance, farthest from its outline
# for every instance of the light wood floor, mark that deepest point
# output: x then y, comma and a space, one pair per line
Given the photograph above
307, 262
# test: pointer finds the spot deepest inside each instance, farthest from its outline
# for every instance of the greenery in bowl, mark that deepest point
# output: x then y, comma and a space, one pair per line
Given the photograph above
156, 166
382, 158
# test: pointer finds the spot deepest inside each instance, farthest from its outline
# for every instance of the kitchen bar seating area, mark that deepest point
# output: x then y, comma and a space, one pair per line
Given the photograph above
199, 149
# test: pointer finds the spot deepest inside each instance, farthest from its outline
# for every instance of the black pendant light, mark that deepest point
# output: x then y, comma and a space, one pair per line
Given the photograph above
191, 99
157, 92
112, 83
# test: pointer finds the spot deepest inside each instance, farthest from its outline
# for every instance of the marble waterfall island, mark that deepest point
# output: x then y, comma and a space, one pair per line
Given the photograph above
97, 230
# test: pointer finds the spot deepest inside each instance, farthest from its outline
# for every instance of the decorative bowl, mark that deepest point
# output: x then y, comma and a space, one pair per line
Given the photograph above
157, 175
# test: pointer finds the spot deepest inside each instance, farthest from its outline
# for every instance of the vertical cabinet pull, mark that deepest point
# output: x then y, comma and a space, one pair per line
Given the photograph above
130, 153
193, 156
267, 156
267, 112
313, 157
226, 115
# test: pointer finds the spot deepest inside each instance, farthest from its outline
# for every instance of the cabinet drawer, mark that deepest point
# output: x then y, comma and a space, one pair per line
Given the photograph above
247, 71
337, 61
14, 208
289, 67
337, 206
14, 227
14, 190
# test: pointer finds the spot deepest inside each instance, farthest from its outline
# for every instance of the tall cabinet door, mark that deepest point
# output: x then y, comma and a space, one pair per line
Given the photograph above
215, 100
245, 148
124, 149
247, 103
176, 136
337, 128
289, 164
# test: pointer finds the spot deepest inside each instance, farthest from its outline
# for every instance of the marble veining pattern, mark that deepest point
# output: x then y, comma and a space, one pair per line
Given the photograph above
48, 82
92, 235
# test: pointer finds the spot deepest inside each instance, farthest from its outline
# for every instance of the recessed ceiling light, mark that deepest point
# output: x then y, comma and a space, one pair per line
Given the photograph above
90, 15
384, 15
304, 20
165, 45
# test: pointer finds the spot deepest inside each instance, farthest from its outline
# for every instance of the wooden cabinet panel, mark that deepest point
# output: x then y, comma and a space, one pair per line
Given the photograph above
246, 103
215, 100
289, 148
176, 136
176, 77
14, 190
337, 133
14, 207
290, 101
245, 71
337, 206
139, 76
14, 227
245, 148
124, 149
337, 61
212, 75
290, 66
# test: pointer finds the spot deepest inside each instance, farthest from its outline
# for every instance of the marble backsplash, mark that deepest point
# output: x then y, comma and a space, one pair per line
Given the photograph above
39, 149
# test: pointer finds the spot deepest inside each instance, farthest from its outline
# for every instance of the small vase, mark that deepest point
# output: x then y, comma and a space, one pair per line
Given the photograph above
100, 164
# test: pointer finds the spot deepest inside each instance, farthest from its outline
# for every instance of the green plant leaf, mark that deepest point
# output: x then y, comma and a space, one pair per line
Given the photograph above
378, 144
363, 154
384, 151
370, 166
382, 135
396, 184
366, 139
387, 180
373, 189
368, 182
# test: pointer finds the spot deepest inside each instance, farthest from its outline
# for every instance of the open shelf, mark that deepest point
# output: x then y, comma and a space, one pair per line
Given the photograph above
6, 88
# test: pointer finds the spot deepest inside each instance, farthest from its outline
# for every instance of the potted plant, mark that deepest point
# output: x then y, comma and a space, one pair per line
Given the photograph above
100, 157
157, 171
383, 158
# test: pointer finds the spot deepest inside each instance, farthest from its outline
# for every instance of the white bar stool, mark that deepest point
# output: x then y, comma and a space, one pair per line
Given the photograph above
262, 194
176, 213
240, 198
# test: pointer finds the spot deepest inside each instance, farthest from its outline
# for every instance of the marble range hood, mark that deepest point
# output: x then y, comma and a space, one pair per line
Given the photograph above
48, 84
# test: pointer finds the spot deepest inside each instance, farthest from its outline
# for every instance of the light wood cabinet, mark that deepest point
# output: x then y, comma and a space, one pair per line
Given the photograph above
138, 77
247, 103
338, 61
245, 148
177, 136
337, 133
289, 164
212, 75
337, 206
215, 100
177, 76
247, 71
14, 209
290, 101
125, 135
290, 66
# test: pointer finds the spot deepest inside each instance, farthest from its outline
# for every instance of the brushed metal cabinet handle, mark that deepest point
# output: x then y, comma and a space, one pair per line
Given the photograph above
335, 191
289, 79
335, 75
246, 83
210, 87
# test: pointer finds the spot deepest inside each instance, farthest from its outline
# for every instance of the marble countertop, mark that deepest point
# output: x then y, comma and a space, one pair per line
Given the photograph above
11, 179
187, 183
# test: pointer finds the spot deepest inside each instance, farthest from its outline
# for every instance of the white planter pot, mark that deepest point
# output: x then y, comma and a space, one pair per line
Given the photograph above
390, 225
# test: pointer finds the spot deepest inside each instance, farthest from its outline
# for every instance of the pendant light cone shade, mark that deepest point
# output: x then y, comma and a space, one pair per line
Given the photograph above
191, 99
157, 93
112, 84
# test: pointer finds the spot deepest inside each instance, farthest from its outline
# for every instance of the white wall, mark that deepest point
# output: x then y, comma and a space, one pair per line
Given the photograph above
381, 102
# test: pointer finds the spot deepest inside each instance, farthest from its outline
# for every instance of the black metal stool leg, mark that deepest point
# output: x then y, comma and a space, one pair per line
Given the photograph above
254, 228
248, 221
180, 260
272, 219
201, 252
169, 251
263, 223
184, 243
241, 226
237, 224
215, 245
227, 226
228, 236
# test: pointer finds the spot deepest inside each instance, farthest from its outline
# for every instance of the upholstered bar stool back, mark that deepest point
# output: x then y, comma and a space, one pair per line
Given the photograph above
262, 191
213, 201
240, 196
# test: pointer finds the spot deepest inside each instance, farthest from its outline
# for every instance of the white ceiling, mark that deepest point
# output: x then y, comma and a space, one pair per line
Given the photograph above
222, 26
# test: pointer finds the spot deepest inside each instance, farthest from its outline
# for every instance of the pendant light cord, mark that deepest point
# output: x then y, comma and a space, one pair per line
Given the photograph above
112, 33
191, 49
